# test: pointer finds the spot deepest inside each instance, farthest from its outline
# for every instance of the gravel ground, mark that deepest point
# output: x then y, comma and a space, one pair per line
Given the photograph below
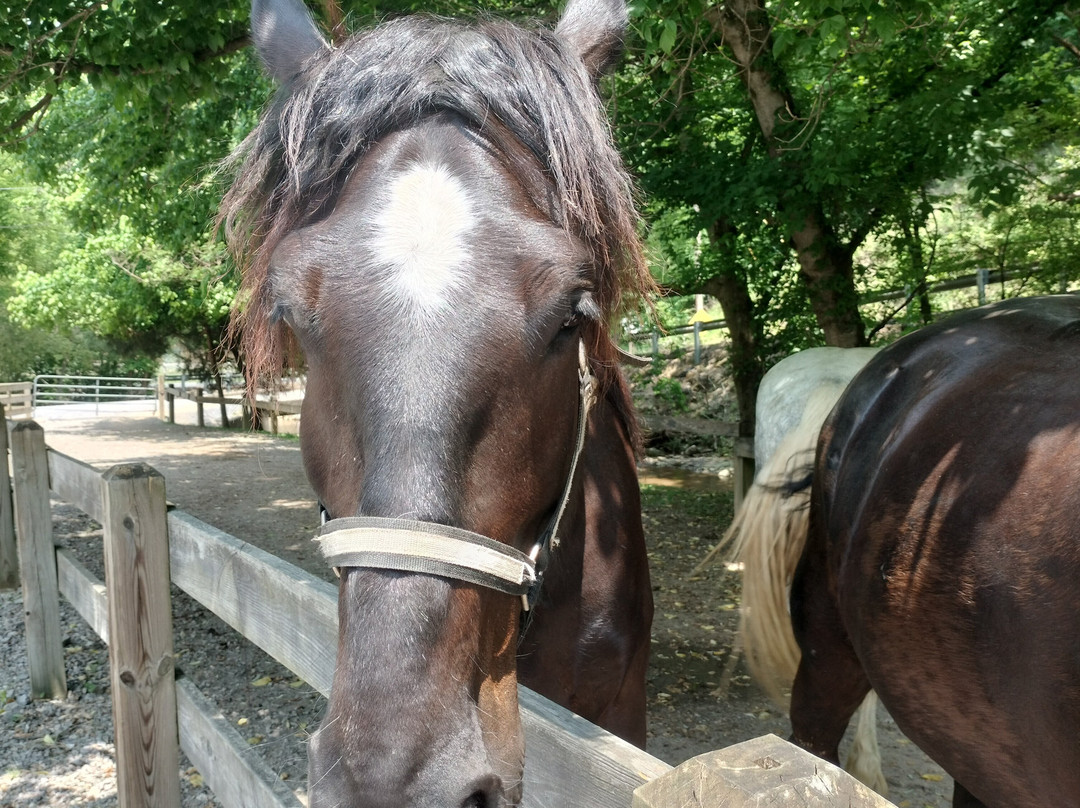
60, 753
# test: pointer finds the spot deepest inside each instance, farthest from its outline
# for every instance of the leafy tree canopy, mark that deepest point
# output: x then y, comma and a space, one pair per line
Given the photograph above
883, 100
795, 153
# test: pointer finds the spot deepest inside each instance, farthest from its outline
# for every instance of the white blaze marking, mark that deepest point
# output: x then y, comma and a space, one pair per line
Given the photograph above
420, 236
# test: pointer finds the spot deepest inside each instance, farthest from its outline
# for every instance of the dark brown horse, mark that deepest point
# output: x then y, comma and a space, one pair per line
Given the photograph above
436, 212
942, 566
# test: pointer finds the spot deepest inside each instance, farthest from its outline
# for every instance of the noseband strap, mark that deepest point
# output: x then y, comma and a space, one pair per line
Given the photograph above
409, 546
427, 547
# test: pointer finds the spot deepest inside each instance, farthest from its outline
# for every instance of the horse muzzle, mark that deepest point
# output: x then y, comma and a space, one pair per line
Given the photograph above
459, 775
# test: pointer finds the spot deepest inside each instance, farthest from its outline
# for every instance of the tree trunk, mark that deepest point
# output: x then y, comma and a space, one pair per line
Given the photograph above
828, 273
914, 247
731, 290
746, 371
221, 397
825, 266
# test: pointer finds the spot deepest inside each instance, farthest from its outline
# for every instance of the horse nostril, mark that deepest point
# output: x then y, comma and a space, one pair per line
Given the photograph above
484, 793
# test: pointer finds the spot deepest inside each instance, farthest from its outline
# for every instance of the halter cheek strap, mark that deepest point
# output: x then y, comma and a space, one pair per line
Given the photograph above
449, 552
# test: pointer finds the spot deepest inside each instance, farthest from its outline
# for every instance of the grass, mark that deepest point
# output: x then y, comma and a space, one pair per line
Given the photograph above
716, 506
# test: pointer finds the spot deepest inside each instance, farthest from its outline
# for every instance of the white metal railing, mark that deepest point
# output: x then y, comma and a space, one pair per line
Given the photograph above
49, 390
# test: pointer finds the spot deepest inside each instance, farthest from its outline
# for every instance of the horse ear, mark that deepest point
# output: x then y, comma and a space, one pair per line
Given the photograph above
596, 29
285, 35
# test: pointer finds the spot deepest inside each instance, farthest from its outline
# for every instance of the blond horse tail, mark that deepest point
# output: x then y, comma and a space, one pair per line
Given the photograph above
767, 537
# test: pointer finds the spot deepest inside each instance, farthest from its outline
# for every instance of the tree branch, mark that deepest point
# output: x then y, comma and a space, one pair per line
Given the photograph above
26, 117
858, 236
1067, 45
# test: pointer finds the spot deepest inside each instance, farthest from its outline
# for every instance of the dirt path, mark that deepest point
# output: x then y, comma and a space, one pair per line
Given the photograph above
248, 484
253, 486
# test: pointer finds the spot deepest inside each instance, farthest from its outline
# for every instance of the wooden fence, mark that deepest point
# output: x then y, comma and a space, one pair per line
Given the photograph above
17, 398
569, 761
265, 411
980, 280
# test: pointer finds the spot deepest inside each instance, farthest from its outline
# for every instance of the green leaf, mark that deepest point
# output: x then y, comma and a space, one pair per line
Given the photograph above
667, 36
782, 39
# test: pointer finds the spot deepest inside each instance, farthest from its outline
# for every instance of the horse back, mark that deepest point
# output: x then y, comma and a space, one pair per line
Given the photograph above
947, 504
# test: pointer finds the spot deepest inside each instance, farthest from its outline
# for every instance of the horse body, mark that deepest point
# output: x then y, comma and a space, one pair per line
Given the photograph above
942, 566
787, 386
768, 534
423, 224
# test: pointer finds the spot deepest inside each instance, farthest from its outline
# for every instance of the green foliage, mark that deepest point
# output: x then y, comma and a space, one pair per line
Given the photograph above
162, 52
671, 393
28, 352
1035, 237
886, 101
126, 290
932, 136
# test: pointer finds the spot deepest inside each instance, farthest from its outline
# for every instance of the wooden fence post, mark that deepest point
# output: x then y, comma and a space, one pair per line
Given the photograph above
9, 554
140, 637
743, 461
759, 772
37, 560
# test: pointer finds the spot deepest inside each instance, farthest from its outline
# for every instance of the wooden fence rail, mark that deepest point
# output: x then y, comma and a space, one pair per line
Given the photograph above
980, 280
266, 411
569, 760
17, 398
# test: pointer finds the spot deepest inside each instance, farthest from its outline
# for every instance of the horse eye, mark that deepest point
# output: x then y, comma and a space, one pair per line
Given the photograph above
278, 313
584, 309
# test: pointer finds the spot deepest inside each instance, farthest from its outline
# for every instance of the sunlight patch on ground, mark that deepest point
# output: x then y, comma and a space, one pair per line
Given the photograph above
80, 779
288, 503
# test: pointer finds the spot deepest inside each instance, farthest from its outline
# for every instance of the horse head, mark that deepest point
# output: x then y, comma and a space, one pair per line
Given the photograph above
434, 211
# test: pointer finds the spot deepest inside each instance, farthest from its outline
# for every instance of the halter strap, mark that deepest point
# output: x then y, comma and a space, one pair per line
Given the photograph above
426, 547
450, 552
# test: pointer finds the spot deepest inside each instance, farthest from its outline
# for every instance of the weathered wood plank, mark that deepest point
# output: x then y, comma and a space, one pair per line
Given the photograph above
684, 424
765, 771
17, 397
83, 591
289, 613
237, 775
141, 661
745, 468
77, 483
9, 552
569, 761
266, 599
37, 560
